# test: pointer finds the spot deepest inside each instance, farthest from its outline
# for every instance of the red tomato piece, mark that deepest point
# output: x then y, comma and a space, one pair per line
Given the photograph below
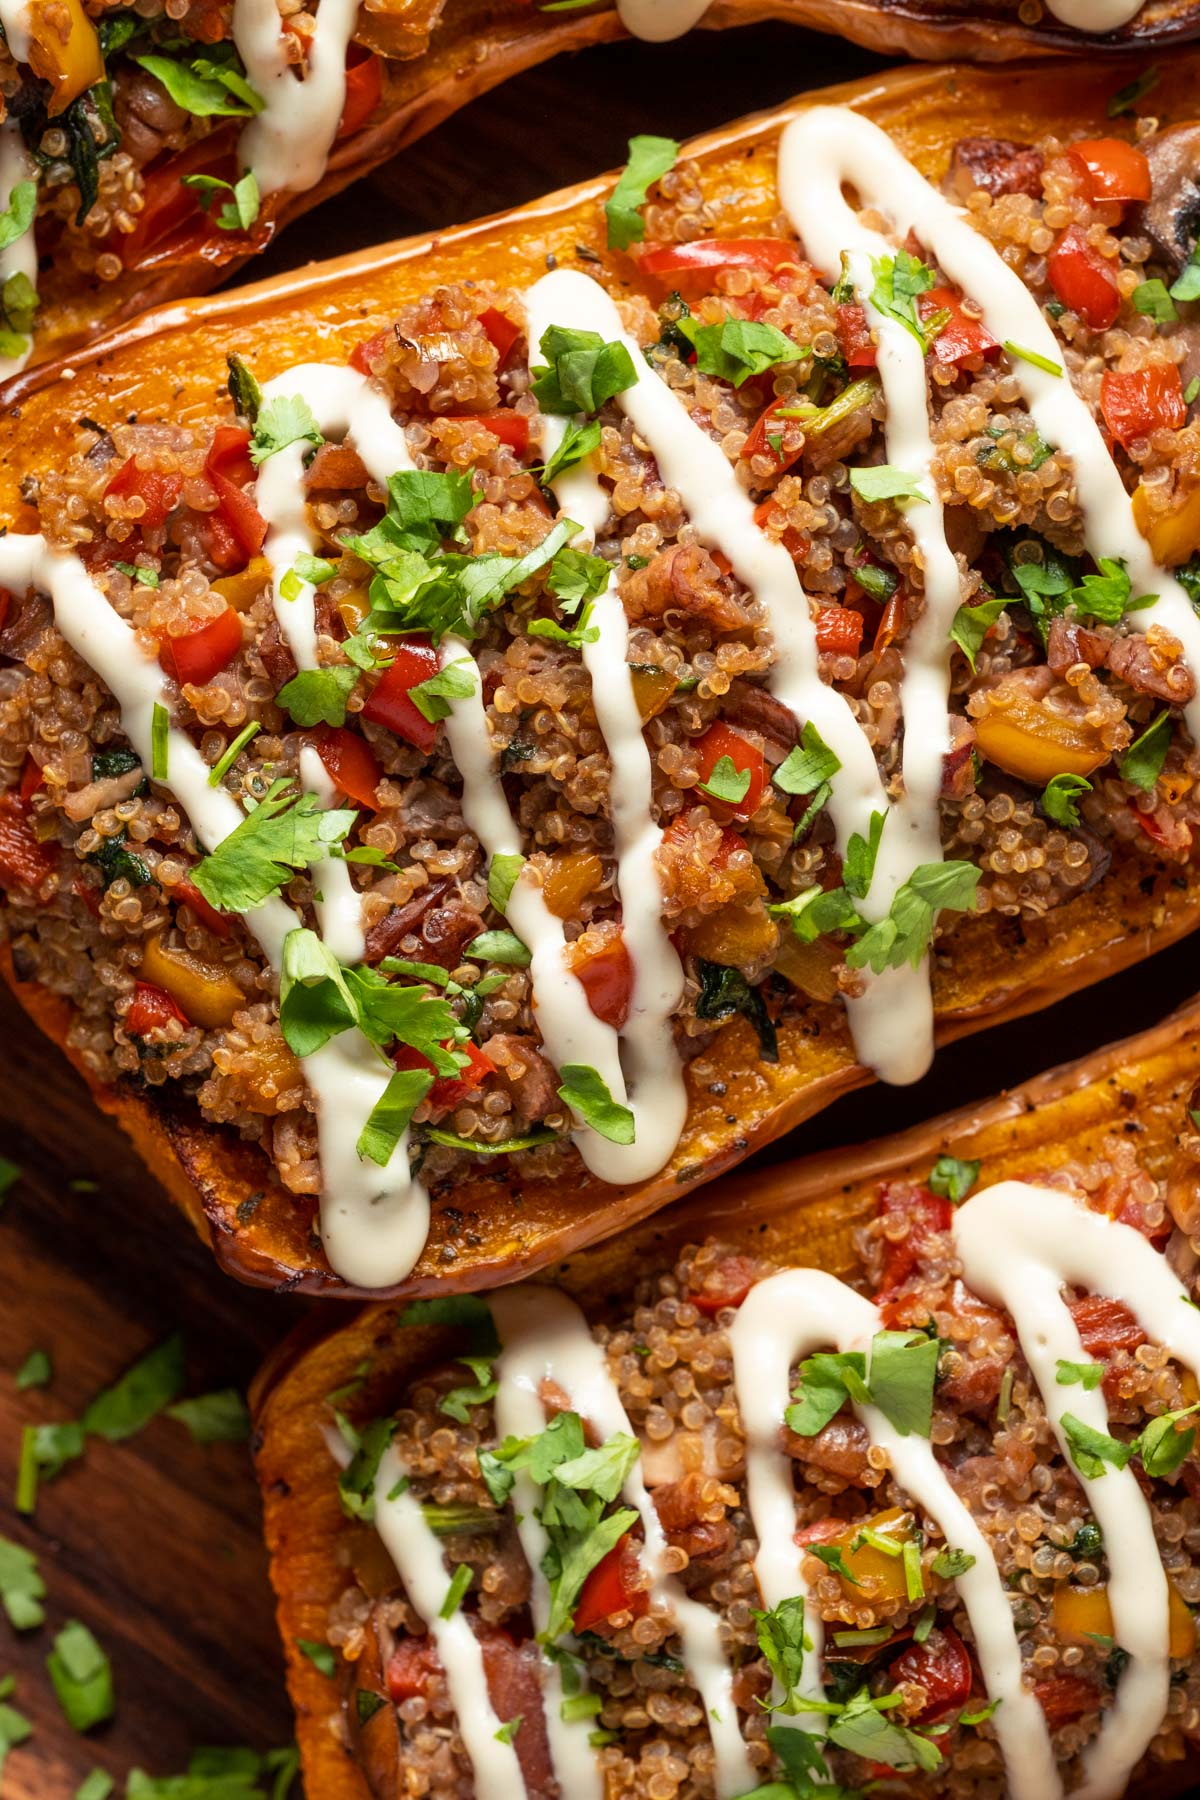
1111, 169
609, 1588
32, 778
942, 1666
219, 923
364, 88
501, 333
854, 336
200, 654
1083, 280
1142, 401
511, 428
1064, 1698
726, 1284
411, 1667
171, 210
839, 630
237, 530
89, 895
821, 1531
766, 426
350, 763
747, 758
24, 862
366, 352
414, 661
448, 1090
961, 337
158, 488
1105, 1325
707, 256
607, 980
150, 1009
924, 1216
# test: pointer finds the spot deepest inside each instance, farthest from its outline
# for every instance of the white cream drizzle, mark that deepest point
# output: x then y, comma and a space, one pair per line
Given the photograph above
657, 21
287, 144
17, 23
417, 1554
1019, 1246
20, 257
1095, 15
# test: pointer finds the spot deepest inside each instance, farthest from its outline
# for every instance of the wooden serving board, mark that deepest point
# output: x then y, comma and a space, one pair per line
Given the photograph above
154, 1543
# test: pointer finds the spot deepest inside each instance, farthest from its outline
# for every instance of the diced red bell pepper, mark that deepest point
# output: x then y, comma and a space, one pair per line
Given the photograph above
1064, 1698
198, 655
1142, 401
1111, 169
794, 542
839, 630
414, 661
32, 778
24, 862
609, 1589
942, 1666
747, 758
448, 1090
237, 530
821, 1531
411, 1667
962, 336
854, 336
731, 842
890, 624
365, 352
708, 256
171, 216
350, 764
607, 980
512, 428
1083, 280
150, 1009
1105, 1325
501, 332
219, 923
766, 426
725, 1285
158, 488
364, 88
923, 1214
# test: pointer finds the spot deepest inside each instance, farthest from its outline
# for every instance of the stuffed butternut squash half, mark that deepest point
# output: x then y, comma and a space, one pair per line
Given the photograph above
496, 730
149, 152
874, 1475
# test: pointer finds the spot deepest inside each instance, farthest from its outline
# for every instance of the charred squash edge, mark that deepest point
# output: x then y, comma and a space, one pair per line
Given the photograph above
489, 1229
478, 45
804, 1211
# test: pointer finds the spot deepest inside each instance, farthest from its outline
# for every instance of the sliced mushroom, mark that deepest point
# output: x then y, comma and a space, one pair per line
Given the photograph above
1171, 216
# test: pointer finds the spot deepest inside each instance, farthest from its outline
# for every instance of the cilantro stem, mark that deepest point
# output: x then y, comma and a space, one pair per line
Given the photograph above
221, 768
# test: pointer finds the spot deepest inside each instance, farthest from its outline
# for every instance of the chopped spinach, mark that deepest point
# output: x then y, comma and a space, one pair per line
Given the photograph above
725, 991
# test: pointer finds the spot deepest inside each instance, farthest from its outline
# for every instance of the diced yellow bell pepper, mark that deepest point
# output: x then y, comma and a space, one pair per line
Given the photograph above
65, 50
880, 1574
1033, 743
652, 689
208, 995
1083, 1614
1174, 536
569, 879
242, 589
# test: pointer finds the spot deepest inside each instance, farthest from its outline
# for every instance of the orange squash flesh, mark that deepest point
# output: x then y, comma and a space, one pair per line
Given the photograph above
438, 57
170, 364
805, 1212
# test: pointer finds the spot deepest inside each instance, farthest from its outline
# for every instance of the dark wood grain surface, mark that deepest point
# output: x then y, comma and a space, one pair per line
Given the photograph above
154, 1543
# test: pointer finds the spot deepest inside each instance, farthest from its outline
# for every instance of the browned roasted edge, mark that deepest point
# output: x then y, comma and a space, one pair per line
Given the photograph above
995, 971
818, 1200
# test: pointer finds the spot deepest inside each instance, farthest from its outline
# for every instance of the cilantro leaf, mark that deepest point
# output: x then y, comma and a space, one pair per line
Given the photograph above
315, 1000
576, 443
391, 1113
831, 1556
17, 217
904, 935
783, 1642
582, 371
1142, 762
809, 766
284, 833
503, 873
827, 1380
35, 1372
319, 696
143, 1391
323, 1657
902, 1373
900, 280
971, 625
237, 214
1152, 299
726, 783
81, 1676
858, 869
649, 159
453, 681
602, 1471
1162, 1446
861, 1728
1187, 286
883, 482
1087, 1375
207, 86
738, 349
288, 419
1060, 798
356, 1483
948, 1563
587, 1094
575, 577
221, 1417
1091, 1449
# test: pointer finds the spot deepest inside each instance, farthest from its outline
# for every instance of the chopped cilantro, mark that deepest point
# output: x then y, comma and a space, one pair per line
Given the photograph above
1060, 798
284, 833
319, 696
952, 1178
582, 372
81, 1676
391, 1113
35, 1371
323, 1657
453, 681
287, 419
1142, 763
649, 159
738, 349
971, 625
883, 482
1087, 1375
902, 1373
585, 1091
22, 1589
221, 1417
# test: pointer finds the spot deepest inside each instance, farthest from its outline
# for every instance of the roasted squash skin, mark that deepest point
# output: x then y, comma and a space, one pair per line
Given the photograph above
169, 364
806, 1210
437, 58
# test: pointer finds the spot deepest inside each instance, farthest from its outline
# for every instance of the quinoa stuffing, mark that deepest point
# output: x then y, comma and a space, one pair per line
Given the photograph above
1068, 739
